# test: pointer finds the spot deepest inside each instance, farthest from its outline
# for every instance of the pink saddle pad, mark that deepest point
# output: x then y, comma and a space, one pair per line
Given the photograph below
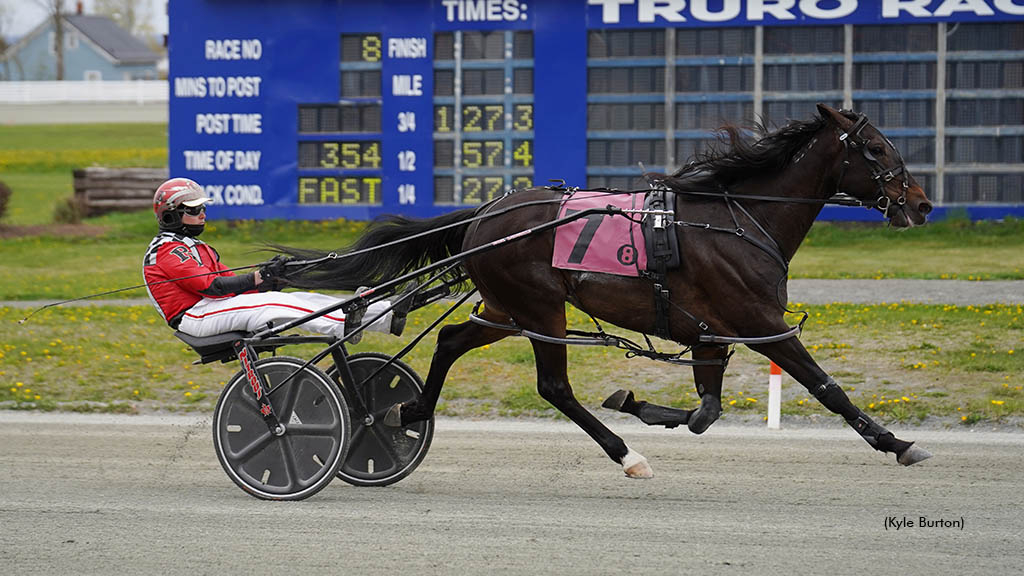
608, 243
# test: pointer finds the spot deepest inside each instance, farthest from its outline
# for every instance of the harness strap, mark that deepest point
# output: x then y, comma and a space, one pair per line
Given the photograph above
600, 338
662, 254
662, 298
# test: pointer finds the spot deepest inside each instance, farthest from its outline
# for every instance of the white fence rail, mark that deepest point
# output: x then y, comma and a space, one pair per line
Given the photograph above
136, 91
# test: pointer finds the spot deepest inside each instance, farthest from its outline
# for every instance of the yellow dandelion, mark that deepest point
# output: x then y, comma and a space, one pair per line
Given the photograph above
905, 399
999, 402
37, 396
136, 392
752, 400
963, 418
188, 393
19, 384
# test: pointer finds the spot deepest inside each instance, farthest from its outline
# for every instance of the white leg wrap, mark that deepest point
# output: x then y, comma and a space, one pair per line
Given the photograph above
636, 466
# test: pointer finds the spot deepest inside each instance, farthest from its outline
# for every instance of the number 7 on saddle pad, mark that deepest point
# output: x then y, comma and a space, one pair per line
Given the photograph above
608, 243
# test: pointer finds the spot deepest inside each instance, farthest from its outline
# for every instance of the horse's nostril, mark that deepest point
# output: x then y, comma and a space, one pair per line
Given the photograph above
925, 208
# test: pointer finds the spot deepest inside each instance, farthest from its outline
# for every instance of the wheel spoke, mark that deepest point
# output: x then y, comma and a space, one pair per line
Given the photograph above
357, 435
387, 446
291, 393
288, 456
312, 430
252, 448
369, 396
248, 402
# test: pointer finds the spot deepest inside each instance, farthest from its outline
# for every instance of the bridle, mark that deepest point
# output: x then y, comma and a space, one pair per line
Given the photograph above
852, 139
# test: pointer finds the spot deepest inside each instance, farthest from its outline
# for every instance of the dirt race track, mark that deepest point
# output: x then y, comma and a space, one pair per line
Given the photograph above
145, 495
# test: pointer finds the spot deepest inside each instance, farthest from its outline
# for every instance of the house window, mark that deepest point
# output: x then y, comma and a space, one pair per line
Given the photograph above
70, 41
93, 75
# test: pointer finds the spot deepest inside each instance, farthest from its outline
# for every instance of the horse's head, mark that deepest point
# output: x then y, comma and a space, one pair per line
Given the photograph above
872, 170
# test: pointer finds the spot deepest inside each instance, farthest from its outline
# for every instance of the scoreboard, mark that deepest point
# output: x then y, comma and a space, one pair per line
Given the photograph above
316, 109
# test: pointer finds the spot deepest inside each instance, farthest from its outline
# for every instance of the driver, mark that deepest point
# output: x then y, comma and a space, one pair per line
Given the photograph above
210, 304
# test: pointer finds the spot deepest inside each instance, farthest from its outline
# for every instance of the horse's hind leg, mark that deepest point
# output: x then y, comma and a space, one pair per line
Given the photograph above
452, 342
553, 386
792, 357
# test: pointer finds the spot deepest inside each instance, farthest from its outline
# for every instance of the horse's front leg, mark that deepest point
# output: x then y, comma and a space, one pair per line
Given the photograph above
792, 357
708, 381
553, 386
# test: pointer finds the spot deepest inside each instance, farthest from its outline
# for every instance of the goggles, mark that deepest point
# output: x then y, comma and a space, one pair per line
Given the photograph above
195, 210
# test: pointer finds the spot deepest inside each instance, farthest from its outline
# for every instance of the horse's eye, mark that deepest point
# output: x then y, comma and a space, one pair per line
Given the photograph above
876, 149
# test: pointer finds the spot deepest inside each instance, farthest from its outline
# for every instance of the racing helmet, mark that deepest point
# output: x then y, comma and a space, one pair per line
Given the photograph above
171, 198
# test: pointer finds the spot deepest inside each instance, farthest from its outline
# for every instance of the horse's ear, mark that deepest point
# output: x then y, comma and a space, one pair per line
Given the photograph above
834, 116
653, 179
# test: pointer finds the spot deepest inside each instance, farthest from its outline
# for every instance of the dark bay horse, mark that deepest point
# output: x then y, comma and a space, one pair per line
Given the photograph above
727, 285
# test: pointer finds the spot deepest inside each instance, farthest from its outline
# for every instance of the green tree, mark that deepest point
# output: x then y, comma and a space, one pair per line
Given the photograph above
55, 11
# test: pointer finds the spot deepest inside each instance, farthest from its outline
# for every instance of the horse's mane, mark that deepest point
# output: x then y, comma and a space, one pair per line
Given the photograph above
736, 159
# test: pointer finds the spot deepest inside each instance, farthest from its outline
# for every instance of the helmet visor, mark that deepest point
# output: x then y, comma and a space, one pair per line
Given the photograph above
196, 202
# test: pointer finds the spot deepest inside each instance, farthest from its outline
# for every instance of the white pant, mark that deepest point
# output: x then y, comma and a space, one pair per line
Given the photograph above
251, 312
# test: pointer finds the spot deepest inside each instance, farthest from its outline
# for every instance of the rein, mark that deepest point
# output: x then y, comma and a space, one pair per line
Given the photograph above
306, 264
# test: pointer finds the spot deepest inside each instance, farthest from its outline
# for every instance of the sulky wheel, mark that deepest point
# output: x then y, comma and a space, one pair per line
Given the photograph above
379, 455
302, 461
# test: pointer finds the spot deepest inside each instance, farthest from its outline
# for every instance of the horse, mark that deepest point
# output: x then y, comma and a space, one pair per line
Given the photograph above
766, 193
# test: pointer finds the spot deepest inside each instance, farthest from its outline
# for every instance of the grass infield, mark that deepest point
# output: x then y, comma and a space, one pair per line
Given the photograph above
899, 362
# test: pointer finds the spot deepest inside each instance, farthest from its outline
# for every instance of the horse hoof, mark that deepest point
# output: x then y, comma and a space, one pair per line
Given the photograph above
913, 455
617, 400
704, 416
393, 417
636, 466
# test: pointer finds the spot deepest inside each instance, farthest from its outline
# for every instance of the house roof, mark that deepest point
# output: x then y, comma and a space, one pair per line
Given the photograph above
113, 39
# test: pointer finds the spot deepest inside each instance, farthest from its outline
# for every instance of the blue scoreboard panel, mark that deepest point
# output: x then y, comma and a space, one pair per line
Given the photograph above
318, 109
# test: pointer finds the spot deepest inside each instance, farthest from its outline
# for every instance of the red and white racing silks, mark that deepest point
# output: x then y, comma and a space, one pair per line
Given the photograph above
188, 305
172, 256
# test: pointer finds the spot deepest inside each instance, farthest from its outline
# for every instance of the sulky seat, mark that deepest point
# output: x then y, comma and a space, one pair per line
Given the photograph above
212, 348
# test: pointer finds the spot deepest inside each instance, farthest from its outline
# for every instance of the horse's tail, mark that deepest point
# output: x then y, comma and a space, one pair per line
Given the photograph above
371, 267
